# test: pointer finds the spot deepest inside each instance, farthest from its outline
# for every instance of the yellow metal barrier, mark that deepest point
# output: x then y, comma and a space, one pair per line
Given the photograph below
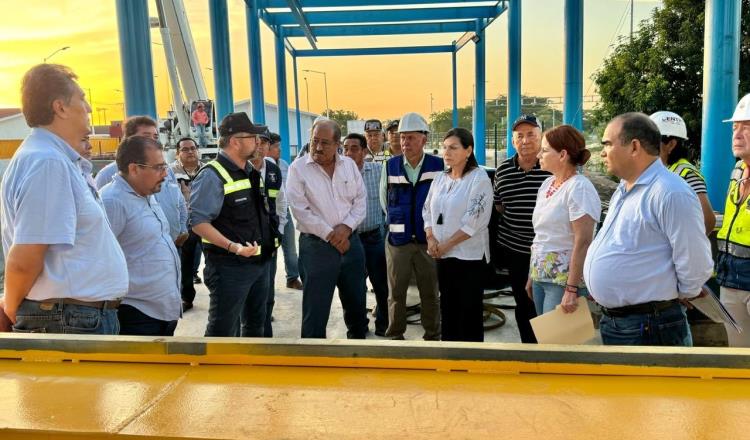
100, 146
8, 147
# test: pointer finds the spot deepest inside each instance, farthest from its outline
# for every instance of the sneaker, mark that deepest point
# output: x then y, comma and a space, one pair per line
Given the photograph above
197, 279
186, 306
295, 284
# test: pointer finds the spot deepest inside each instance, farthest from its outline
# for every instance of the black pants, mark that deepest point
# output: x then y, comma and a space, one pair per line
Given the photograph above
187, 260
461, 297
518, 268
135, 322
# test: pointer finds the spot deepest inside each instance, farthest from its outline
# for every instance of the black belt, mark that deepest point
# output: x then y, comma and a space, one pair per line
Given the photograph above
103, 305
639, 309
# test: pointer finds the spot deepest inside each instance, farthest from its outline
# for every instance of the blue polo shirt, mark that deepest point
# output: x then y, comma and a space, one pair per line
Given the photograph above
46, 200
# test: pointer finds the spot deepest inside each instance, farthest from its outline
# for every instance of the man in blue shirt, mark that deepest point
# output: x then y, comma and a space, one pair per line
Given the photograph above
153, 303
65, 271
652, 250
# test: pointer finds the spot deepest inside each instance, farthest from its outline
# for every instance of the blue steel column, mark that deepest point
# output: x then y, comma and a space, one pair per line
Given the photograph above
455, 88
573, 101
296, 105
514, 69
135, 57
258, 102
479, 102
721, 61
221, 58
283, 107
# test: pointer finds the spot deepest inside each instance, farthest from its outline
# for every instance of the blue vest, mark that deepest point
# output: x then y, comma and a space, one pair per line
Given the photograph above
405, 201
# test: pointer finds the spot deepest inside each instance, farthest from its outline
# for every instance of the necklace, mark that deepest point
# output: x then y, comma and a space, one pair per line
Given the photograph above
556, 185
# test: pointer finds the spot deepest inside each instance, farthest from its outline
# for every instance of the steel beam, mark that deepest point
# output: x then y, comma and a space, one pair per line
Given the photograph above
258, 102
296, 8
283, 107
382, 29
385, 15
455, 89
296, 113
358, 3
514, 70
374, 51
222, 67
480, 114
573, 101
721, 61
135, 57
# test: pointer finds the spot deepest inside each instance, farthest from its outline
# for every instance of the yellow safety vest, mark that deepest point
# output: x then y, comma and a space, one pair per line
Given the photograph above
734, 235
682, 167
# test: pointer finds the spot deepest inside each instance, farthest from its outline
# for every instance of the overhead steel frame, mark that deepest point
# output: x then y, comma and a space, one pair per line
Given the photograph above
221, 57
135, 51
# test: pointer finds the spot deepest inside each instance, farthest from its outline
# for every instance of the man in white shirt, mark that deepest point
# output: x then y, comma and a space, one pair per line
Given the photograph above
327, 196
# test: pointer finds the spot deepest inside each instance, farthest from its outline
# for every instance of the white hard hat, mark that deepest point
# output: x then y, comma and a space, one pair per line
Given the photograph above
742, 111
670, 124
413, 122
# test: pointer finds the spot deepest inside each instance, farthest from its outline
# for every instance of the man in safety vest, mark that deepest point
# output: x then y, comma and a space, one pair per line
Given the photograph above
230, 212
673, 154
733, 240
375, 137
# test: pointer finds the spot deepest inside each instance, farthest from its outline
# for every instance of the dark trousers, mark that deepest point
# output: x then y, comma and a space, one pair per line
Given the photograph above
461, 299
374, 247
271, 300
324, 269
518, 268
187, 262
135, 322
237, 293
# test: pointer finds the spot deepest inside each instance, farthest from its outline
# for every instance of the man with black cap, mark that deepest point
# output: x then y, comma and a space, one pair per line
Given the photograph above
517, 183
230, 211
374, 136
394, 138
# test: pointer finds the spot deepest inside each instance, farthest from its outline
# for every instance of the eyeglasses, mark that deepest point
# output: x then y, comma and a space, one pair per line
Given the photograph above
248, 137
160, 167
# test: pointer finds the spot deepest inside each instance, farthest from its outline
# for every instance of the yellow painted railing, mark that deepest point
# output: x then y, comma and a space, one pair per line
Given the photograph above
101, 146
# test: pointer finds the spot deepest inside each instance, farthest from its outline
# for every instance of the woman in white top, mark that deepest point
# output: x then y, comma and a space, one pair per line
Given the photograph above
567, 209
456, 213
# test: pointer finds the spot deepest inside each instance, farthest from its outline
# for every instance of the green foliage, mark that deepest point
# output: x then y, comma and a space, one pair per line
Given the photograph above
341, 116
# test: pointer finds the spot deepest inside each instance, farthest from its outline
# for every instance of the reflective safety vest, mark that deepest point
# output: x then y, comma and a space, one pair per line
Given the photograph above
272, 187
733, 239
682, 167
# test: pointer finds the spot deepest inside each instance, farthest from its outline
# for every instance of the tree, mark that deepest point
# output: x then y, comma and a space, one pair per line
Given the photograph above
341, 116
661, 68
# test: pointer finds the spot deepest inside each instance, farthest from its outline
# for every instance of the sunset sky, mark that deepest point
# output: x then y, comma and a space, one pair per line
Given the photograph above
375, 86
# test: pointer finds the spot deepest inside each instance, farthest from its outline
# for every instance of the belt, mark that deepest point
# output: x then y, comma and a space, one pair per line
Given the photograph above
369, 233
639, 309
104, 305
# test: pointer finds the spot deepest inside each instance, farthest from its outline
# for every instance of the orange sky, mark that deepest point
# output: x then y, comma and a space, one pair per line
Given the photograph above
374, 86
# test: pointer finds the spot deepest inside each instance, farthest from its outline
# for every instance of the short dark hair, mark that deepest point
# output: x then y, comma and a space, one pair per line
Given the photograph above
466, 140
40, 87
275, 137
133, 122
362, 140
636, 125
132, 149
186, 138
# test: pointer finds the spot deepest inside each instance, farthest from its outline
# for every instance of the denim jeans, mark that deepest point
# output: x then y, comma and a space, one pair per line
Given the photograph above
46, 317
135, 322
325, 269
667, 327
547, 296
289, 247
374, 246
237, 290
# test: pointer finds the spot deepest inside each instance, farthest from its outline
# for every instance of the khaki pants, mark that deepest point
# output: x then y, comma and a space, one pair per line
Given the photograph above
402, 261
736, 303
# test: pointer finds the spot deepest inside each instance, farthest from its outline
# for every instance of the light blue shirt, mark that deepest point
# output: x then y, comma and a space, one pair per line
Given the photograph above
652, 245
46, 200
374, 216
170, 198
142, 230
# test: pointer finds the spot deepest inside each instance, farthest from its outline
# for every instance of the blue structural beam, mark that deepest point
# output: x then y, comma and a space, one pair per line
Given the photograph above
357, 3
258, 103
514, 69
296, 105
385, 15
455, 89
222, 59
383, 29
135, 57
573, 101
283, 107
480, 114
721, 60
373, 51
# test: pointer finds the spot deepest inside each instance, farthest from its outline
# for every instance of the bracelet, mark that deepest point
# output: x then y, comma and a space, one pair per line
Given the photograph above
571, 287
229, 246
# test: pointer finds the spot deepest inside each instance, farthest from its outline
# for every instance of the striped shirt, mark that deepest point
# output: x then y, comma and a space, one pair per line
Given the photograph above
516, 191
696, 182
374, 217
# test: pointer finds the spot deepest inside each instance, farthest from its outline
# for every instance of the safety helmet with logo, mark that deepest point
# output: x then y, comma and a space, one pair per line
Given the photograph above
413, 122
742, 111
670, 124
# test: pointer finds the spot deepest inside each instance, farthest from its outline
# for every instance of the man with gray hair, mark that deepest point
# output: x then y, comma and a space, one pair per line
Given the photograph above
652, 251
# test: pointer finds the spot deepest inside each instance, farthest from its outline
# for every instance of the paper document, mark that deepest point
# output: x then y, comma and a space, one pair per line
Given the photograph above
714, 310
558, 327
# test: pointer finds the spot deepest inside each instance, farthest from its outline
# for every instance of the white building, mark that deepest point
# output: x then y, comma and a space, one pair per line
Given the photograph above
12, 124
272, 120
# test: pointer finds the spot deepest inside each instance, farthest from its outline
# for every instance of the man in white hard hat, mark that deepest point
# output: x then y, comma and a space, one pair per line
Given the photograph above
404, 185
673, 153
733, 239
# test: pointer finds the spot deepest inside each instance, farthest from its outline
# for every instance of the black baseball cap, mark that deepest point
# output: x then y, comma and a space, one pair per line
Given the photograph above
393, 125
373, 124
526, 119
275, 138
239, 122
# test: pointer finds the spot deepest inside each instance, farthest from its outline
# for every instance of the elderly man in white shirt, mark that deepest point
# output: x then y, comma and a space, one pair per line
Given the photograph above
327, 196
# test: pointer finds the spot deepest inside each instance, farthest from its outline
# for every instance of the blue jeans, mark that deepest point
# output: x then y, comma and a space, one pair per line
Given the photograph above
49, 317
668, 327
289, 247
324, 269
547, 296
237, 291
135, 322
374, 247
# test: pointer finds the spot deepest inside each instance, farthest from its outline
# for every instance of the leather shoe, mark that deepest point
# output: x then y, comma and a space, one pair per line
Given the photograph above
294, 284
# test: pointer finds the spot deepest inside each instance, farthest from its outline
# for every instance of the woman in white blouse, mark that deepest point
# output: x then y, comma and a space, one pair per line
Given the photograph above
456, 214
567, 209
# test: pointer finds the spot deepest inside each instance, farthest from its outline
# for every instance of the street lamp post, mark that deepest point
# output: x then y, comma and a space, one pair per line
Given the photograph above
325, 85
53, 53
307, 94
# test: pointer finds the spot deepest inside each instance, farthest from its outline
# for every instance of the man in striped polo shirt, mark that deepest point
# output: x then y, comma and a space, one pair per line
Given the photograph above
517, 182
